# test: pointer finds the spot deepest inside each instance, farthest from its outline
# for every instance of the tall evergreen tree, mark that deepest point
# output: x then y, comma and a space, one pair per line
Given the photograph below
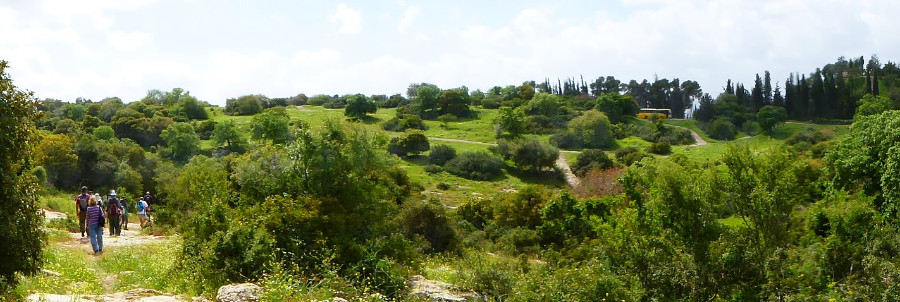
777, 99
816, 95
767, 89
756, 95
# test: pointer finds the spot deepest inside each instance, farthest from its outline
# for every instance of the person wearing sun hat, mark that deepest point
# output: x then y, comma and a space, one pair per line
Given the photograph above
113, 210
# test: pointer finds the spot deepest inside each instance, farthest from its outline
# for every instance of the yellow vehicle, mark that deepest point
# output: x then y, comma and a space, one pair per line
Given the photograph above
650, 113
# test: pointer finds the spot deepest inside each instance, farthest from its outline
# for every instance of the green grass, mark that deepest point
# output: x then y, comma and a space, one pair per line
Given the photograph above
690, 124
732, 221
77, 274
59, 202
149, 265
785, 130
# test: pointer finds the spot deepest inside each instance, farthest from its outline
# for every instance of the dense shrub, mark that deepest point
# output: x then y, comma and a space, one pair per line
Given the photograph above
628, 156
478, 165
660, 148
523, 208
721, 129
403, 122
432, 169
413, 141
441, 154
428, 220
591, 159
810, 136
528, 153
244, 105
593, 128
566, 140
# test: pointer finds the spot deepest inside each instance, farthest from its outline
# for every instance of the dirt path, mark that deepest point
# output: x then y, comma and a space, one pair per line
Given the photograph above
698, 141
571, 179
130, 237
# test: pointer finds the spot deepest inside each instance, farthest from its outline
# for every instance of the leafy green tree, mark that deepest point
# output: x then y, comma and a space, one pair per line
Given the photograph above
20, 221
427, 100
227, 136
545, 104
412, 141
617, 106
872, 105
181, 140
767, 187
868, 159
509, 122
593, 128
68, 127
109, 107
57, 155
244, 105
769, 116
189, 107
358, 106
454, 102
271, 125
104, 133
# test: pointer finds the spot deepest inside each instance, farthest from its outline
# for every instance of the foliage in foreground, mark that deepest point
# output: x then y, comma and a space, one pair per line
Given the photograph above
20, 220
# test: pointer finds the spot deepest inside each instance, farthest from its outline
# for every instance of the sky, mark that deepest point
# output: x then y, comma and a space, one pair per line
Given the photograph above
217, 50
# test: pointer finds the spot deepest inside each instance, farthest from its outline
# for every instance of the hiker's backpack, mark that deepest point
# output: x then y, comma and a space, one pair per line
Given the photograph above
113, 206
140, 206
83, 201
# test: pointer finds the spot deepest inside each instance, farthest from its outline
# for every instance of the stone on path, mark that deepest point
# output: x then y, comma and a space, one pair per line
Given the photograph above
241, 292
438, 291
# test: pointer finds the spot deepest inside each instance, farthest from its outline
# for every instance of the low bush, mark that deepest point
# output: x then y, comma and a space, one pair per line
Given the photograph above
433, 169
478, 165
628, 156
566, 140
810, 136
428, 220
660, 148
441, 154
591, 159
403, 122
721, 129
528, 153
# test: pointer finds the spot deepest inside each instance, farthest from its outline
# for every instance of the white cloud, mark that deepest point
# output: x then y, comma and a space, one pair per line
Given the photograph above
409, 17
128, 40
350, 19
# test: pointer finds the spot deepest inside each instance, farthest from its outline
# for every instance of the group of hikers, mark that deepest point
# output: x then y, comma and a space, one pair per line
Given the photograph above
93, 215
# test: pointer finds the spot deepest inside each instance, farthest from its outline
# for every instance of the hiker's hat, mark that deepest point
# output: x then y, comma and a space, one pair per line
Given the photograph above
112, 192
83, 188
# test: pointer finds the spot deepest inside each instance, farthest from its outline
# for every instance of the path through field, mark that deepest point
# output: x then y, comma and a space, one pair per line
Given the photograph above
130, 237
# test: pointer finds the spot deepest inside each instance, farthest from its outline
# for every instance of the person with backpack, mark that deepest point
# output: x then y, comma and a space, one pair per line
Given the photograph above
142, 208
124, 204
95, 222
148, 199
113, 210
81, 205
